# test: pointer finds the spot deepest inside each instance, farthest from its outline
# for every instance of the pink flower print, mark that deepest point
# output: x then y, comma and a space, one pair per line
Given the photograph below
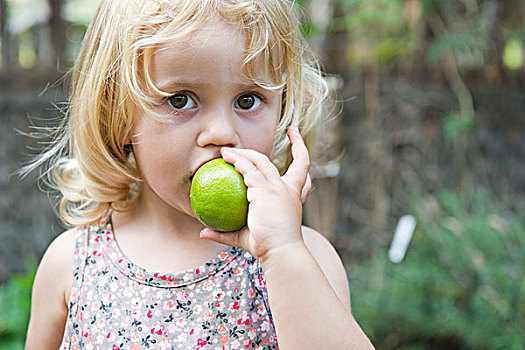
100, 339
251, 293
168, 305
115, 347
98, 253
158, 275
165, 343
219, 306
182, 295
251, 333
101, 324
200, 344
182, 337
208, 285
106, 298
265, 326
135, 337
218, 295
74, 293
245, 319
150, 314
228, 283
247, 344
157, 329
222, 328
197, 309
171, 328
116, 313
136, 303
85, 332
223, 338
188, 277
223, 255
234, 306
125, 323
95, 306
262, 281
208, 316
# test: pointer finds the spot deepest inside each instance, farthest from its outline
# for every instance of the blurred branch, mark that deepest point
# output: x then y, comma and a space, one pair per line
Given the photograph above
376, 147
58, 31
4, 37
455, 80
451, 69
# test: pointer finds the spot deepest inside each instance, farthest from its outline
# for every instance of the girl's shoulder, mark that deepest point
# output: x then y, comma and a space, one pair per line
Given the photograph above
330, 262
56, 266
49, 301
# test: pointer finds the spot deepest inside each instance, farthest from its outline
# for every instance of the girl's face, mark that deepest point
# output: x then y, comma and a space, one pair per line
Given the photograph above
212, 104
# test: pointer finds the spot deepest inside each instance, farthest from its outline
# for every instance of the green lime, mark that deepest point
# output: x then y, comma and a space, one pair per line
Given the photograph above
218, 196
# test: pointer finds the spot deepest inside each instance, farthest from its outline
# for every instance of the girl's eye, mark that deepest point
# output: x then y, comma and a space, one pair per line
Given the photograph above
248, 102
181, 101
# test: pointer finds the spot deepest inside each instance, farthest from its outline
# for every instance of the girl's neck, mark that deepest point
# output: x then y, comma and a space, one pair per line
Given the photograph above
160, 238
152, 213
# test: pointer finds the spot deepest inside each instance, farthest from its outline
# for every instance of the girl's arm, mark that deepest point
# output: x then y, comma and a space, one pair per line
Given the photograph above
310, 298
306, 281
50, 294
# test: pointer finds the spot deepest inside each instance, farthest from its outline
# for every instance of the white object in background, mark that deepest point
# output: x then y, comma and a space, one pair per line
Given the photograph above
402, 236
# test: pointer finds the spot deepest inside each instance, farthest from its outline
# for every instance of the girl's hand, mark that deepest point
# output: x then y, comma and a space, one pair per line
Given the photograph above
275, 202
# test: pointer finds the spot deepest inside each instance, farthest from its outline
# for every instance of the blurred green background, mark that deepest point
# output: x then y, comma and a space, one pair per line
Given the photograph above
431, 95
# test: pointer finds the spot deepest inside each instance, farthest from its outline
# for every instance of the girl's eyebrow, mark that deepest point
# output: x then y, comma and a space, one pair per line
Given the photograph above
175, 83
172, 83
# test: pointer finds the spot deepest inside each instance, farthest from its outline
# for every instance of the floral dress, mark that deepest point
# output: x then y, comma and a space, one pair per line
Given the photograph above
115, 304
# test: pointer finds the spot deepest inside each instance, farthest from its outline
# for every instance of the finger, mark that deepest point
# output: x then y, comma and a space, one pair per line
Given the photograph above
259, 160
251, 175
306, 188
297, 172
253, 193
232, 239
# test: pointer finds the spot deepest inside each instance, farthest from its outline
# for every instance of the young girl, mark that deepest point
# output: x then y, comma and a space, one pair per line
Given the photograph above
161, 87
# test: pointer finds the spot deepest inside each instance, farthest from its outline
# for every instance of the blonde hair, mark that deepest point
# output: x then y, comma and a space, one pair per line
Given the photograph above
89, 162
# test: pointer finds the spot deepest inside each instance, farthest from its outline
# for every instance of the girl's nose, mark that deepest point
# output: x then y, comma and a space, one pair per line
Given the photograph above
218, 129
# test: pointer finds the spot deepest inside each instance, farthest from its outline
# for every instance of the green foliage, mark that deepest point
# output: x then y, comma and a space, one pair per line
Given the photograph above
15, 304
384, 16
457, 123
452, 44
381, 31
461, 284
